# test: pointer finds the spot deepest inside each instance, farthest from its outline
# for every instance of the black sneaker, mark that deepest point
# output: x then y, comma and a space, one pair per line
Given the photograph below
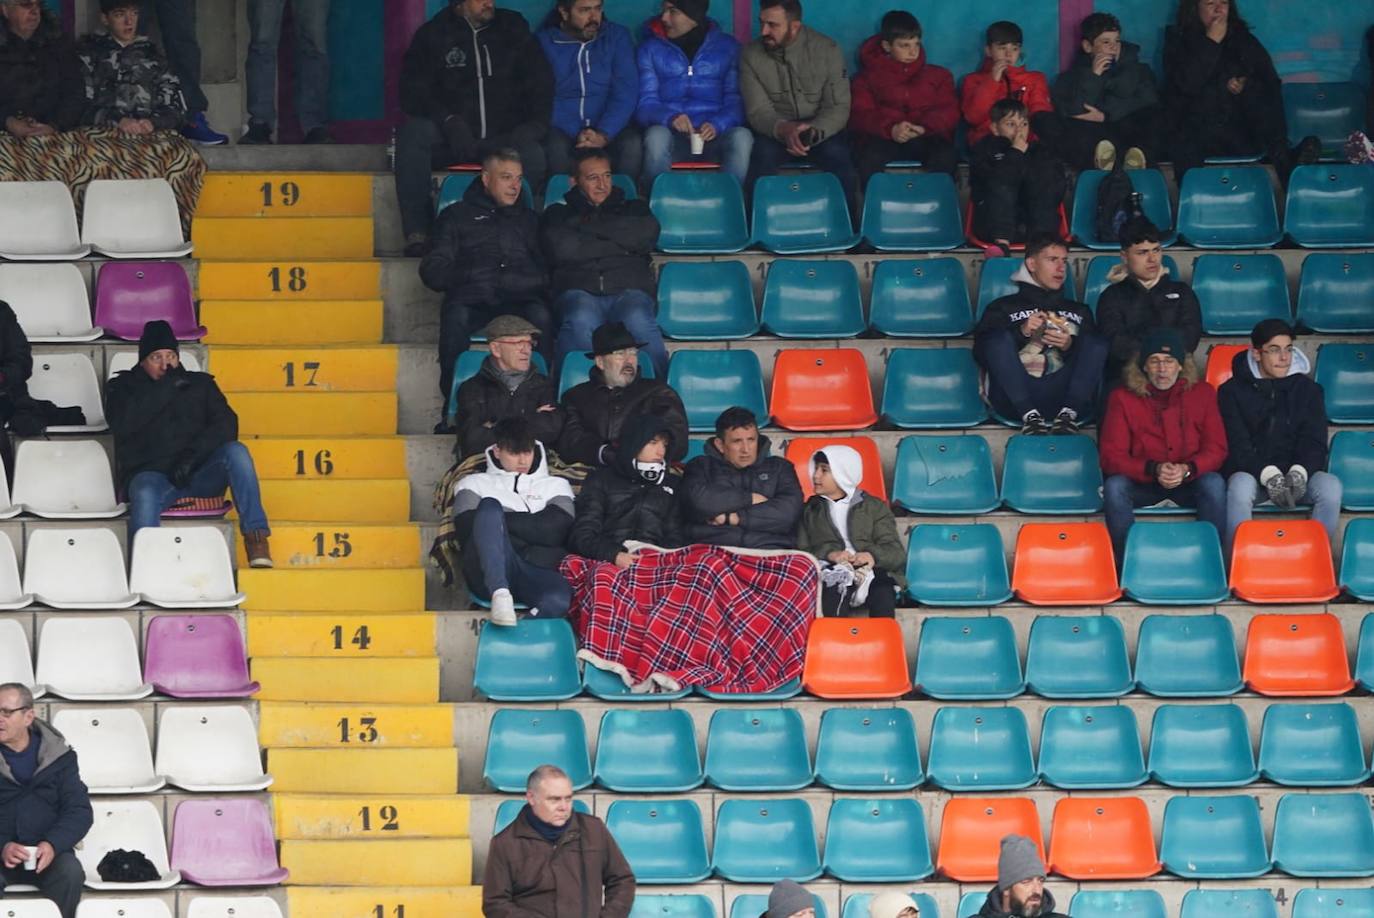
1065, 422
319, 135
1308, 151
257, 133
445, 426
1033, 424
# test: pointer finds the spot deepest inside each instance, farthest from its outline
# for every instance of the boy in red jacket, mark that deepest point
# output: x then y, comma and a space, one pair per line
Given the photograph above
1000, 77
903, 107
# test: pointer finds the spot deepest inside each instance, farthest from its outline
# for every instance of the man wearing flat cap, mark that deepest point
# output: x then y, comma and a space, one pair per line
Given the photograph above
507, 386
1020, 891
595, 411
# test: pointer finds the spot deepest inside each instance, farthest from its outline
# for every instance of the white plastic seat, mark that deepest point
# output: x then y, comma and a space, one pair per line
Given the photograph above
133, 218
65, 480
38, 222
8, 509
16, 661
112, 747
134, 825
210, 749
27, 908
123, 908
90, 659
183, 567
50, 301
233, 907
76, 569
69, 380
126, 360
12, 595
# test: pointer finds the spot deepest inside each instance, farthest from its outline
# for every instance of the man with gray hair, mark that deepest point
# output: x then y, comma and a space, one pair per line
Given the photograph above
554, 861
45, 810
1020, 891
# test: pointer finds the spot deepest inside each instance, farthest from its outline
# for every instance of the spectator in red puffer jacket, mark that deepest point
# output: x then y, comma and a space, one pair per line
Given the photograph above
904, 107
999, 77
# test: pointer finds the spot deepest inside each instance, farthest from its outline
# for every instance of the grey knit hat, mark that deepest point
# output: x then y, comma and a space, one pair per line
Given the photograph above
1019, 860
787, 897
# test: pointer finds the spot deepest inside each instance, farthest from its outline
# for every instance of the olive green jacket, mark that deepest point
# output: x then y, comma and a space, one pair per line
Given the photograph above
805, 81
872, 528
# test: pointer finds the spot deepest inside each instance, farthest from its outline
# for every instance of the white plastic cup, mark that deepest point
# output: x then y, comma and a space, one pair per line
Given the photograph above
32, 862
698, 144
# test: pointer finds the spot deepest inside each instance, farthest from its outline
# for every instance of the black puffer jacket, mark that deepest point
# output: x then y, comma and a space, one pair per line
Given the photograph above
41, 78
1279, 422
1127, 310
713, 486
484, 399
593, 414
992, 907
54, 807
156, 425
602, 250
16, 363
1126, 88
485, 255
1196, 70
618, 505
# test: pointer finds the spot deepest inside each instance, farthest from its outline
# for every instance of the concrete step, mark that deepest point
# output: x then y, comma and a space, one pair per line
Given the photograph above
456, 901
335, 458
342, 544
399, 680
286, 194
308, 322
329, 725
378, 500
436, 862
322, 590
277, 414
339, 635
296, 238
337, 368
287, 280
383, 816
363, 771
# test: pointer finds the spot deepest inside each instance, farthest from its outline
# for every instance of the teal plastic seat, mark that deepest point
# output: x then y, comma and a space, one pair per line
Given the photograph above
469, 363
1201, 746
534, 661
664, 840
878, 840
509, 809
1364, 667
1052, 475
690, 906
1114, 903
711, 381
856, 905
1228, 207
1091, 747
805, 298
1101, 266
1187, 656
1346, 372
945, 475
980, 749
577, 365
956, 565
1238, 291
1331, 903
968, 659
600, 683
519, 741
1326, 111
1174, 564
1154, 194
706, 301
763, 841
971, 903
1214, 838
1078, 656
1334, 292
930, 387
1229, 903
926, 298
1324, 835
559, 185
757, 749
802, 212
699, 213
868, 749
789, 689
452, 189
1330, 206
752, 905
648, 751
912, 212
1312, 745
995, 281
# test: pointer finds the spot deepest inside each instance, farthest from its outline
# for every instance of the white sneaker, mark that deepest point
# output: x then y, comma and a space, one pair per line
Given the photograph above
503, 609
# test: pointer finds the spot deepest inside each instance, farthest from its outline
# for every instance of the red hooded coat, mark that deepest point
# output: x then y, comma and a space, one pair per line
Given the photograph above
886, 93
1143, 426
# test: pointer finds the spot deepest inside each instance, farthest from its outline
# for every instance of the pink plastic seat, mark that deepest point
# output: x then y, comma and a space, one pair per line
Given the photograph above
197, 656
225, 842
128, 294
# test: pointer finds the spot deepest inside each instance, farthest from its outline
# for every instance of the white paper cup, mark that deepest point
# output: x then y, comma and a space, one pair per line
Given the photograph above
698, 144
32, 862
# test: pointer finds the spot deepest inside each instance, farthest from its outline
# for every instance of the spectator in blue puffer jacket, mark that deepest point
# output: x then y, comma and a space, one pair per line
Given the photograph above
596, 87
689, 85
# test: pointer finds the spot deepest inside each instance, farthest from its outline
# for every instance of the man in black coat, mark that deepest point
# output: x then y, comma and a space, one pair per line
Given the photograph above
507, 386
595, 411
42, 90
474, 79
45, 810
632, 499
1020, 891
599, 245
175, 436
736, 494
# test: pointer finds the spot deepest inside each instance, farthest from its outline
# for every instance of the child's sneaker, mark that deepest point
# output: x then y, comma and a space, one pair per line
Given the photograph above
197, 130
1359, 149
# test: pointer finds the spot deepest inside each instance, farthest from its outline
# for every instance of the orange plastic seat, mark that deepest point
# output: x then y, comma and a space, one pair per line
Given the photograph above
971, 832
1219, 360
855, 658
799, 452
1065, 564
1297, 655
1283, 561
1102, 838
822, 389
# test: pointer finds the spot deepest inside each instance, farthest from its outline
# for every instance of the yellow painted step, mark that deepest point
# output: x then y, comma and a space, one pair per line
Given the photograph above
286, 194
286, 280
375, 726
305, 369
405, 862
292, 238
374, 816
363, 771
324, 414
393, 902
383, 500
330, 458
343, 635
308, 322
320, 590
334, 545
395, 680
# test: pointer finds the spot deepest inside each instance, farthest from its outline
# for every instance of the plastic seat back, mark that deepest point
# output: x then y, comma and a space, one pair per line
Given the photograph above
609, 686
994, 280
233, 907
1065, 564
1214, 838
50, 301
980, 749
534, 661
1052, 475
1297, 655
38, 222
971, 903
134, 825
520, 740
653, 751
1219, 360
12, 595
1312, 745
113, 745
1332, 288
1329, 205
1324, 835
699, 212
662, 839
1233, 903
453, 187
957, 565
919, 299
69, 380
800, 213
1096, 280
225, 842
752, 905
1204, 745
1238, 291
65, 479
1327, 111
800, 450
1154, 200
932, 388
1333, 903
1283, 561
183, 567
1365, 660
813, 299
855, 658
1091, 747
133, 218
1078, 656
90, 659
128, 295
35, 908
689, 906
1346, 372
1174, 564
1230, 207
1124, 903
210, 748
879, 840
868, 749
16, 660
763, 841
706, 301
1187, 656
53, 554
971, 832
1102, 838
1352, 461
711, 381
856, 905
968, 658
577, 368
912, 212
197, 656
757, 749
945, 475
822, 389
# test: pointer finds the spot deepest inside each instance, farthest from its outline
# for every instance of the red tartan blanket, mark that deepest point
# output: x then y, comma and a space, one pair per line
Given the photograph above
698, 616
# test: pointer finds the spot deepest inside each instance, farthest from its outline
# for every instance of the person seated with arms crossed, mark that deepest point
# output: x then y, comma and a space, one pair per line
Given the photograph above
1017, 183
736, 494
507, 386
128, 81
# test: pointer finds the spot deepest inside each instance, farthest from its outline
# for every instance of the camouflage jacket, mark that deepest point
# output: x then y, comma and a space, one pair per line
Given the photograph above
130, 81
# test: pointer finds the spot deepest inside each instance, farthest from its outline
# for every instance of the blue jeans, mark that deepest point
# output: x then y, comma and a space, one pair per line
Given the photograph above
230, 466
1013, 392
1121, 495
831, 155
538, 587
176, 19
583, 312
1323, 496
665, 146
310, 20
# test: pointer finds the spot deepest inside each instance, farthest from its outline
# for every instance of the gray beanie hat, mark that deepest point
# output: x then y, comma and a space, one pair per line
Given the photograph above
787, 897
1019, 860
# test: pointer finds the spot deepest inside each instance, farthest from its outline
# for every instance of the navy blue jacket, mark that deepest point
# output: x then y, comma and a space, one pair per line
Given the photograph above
706, 88
595, 83
54, 807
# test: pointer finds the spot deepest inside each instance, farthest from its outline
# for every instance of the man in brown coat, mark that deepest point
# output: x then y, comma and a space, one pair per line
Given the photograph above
553, 862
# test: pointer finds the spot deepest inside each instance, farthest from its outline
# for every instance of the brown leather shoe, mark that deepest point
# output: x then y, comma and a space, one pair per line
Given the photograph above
255, 545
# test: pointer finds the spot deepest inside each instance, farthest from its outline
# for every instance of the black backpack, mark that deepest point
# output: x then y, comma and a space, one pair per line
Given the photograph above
1117, 203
